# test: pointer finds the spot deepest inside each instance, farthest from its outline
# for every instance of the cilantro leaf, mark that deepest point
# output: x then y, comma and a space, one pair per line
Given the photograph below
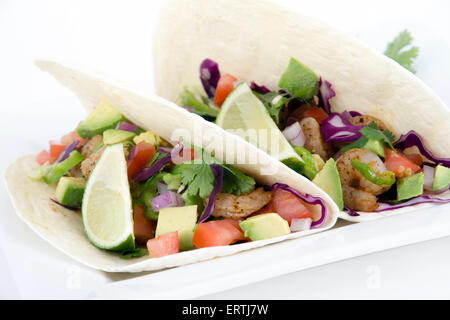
374, 133
200, 105
236, 182
136, 253
398, 51
272, 103
198, 178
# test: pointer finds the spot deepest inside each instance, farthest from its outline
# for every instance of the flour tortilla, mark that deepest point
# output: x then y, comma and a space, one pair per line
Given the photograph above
63, 228
254, 40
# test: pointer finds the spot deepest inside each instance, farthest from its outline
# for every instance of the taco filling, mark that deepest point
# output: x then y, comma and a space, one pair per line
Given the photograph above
139, 194
354, 157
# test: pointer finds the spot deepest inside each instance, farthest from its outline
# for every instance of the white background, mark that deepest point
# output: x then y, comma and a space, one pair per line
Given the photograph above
116, 37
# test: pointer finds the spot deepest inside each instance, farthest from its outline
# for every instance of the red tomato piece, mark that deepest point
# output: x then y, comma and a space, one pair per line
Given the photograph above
163, 245
224, 87
289, 207
142, 155
217, 233
399, 164
185, 155
317, 113
144, 229
268, 208
55, 150
42, 157
415, 158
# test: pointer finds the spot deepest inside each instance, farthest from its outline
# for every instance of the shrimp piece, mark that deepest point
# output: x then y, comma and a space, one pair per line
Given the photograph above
314, 141
237, 207
88, 164
359, 200
365, 120
352, 178
91, 145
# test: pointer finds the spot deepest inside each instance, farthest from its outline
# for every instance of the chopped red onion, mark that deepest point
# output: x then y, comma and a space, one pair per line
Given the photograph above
413, 139
217, 171
309, 199
414, 201
326, 93
168, 199
148, 172
66, 151
132, 154
258, 88
209, 76
298, 225
336, 128
294, 134
428, 174
126, 127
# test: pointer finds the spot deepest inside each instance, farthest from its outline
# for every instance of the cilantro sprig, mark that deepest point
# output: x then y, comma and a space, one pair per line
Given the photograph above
371, 133
400, 50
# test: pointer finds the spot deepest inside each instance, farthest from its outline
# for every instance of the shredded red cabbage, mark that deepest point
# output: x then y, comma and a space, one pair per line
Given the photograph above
132, 154
209, 76
67, 150
415, 201
63, 205
217, 171
309, 199
148, 172
413, 139
326, 93
351, 212
126, 127
336, 128
258, 88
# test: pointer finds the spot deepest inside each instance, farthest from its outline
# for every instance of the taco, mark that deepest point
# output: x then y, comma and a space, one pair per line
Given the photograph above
249, 65
151, 199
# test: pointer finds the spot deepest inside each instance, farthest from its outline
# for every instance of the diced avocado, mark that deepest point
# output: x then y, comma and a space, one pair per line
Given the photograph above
181, 219
70, 191
149, 137
265, 226
441, 178
329, 181
299, 80
410, 187
60, 169
113, 136
104, 117
376, 146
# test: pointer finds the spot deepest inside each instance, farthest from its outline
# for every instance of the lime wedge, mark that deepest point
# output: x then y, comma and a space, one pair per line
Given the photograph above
244, 114
106, 207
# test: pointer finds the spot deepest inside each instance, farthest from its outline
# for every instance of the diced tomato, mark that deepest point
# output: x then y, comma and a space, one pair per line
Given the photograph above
224, 87
415, 158
399, 164
185, 155
144, 229
288, 206
306, 111
317, 113
71, 137
217, 233
55, 149
142, 155
42, 157
163, 245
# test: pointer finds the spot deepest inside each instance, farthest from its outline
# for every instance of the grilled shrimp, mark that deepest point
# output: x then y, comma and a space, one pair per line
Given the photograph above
238, 207
88, 164
359, 200
351, 177
91, 145
314, 141
365, 120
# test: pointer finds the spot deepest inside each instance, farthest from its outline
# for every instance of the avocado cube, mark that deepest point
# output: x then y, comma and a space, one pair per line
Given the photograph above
113, 136
329, 181
103, 117
181, 219
265, 226
149, 137
299, 80
441, 178
70, 190
410, 187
